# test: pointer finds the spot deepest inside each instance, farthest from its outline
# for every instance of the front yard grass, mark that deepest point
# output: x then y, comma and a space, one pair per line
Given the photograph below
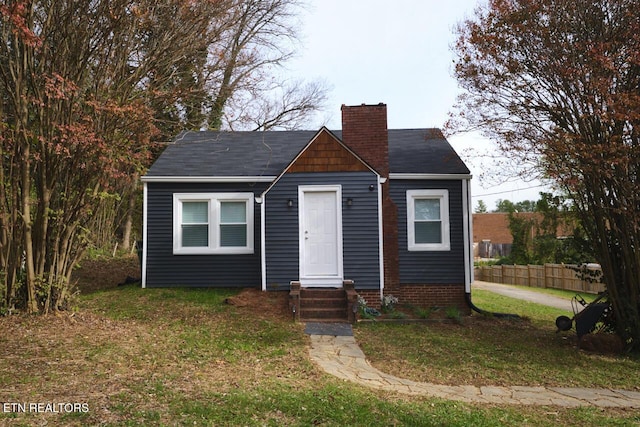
491, 351
184, 357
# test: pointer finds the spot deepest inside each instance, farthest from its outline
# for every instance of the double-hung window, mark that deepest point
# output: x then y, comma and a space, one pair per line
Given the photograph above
213, 223
428, 220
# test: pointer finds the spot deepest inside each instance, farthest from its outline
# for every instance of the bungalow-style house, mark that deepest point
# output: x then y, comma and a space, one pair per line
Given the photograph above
370, 210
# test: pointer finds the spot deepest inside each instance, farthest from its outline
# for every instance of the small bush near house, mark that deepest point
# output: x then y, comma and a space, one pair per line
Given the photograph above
389, 303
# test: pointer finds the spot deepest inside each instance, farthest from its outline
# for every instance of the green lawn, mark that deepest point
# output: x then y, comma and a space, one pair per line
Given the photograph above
184, 357
489, 351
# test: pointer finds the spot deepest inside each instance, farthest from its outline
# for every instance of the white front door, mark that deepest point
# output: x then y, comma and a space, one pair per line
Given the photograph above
320, 235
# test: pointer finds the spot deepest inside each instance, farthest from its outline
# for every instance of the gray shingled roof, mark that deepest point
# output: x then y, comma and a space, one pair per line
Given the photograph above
209, 153
423, 151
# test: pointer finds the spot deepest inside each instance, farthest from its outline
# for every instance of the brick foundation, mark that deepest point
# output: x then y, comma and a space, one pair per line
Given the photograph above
434, 295
372, 298
422, 296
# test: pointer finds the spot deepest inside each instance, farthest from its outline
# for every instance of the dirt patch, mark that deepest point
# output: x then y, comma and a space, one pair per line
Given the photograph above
104, 273
265, 304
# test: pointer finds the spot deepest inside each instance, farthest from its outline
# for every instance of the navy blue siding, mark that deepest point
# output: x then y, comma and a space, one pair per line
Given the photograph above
167, 270
431, 267
359, 227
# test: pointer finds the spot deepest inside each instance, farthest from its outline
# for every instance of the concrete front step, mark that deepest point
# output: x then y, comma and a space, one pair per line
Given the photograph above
324, 302
323, 305
328, 320
322, 293
323, 313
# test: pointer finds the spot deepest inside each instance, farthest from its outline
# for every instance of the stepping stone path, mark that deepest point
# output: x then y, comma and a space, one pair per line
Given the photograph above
341, 356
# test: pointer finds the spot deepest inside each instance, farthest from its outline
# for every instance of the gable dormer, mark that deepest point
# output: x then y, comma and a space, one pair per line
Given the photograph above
326, 153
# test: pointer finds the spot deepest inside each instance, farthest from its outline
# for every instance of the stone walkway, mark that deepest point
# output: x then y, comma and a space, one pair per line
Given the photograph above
342, 357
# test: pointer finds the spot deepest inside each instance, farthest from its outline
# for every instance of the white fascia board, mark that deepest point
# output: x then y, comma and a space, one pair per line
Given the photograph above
467, 233
144, 235
263, 241
207, 179
432, 176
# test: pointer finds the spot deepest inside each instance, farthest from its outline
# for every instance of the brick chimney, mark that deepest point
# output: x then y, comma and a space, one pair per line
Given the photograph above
364, 130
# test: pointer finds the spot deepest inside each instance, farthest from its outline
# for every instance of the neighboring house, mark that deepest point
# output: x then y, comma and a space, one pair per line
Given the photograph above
492, 237
494, 226
386, 209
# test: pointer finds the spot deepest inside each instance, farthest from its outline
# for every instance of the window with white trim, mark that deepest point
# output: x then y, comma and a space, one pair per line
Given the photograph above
212, 223
428, 220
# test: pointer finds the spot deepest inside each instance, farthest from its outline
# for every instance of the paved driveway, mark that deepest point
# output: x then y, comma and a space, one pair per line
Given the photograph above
523, 294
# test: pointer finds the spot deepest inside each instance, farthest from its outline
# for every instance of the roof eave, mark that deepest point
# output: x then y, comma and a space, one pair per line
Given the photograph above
207, 179
430, 176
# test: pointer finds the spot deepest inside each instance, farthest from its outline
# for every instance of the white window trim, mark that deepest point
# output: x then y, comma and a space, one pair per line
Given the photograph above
214, 200
443, 195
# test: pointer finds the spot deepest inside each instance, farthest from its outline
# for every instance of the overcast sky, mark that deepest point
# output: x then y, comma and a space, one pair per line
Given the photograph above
398, 53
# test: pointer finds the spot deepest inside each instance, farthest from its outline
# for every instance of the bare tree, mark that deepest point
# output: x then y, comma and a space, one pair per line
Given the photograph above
233, 82
284, 107
246, 93
557, 82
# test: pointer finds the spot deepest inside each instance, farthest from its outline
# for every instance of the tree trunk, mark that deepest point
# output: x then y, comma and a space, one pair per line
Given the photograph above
32, 303
128, 224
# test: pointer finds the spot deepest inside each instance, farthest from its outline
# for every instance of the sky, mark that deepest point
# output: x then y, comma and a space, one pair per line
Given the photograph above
398, 53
